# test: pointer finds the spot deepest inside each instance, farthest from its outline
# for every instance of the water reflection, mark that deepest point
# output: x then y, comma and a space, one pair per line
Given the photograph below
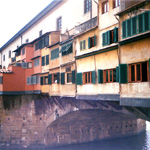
138, 142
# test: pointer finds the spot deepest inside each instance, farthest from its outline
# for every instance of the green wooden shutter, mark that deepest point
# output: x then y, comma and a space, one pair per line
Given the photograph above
47, 59
84, 44
79, 78
134, 25
93, 77
103, 38
128, 27
149, 65
108, 37
63, 78
43, 61
50, 79
114, 75
58, 74
124, 29
100, 76
147, 21
89, 42
141, 23
94, 40
41, 80
117, 74
81, 45
73, 76
115, 35
123, 79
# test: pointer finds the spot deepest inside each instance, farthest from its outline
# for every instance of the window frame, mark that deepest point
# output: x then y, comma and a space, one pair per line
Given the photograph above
87, 6
9, 54
135, 72
59, 23
86, 77
68, 73
45, 80
23, 51
115, 5
104, 75
106, 3
53, 82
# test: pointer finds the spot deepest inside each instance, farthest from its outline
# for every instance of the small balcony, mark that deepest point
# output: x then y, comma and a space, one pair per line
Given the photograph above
86, 25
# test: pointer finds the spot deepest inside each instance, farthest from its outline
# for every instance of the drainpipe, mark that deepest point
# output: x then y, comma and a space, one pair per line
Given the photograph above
91, 11
97, 13
119, 49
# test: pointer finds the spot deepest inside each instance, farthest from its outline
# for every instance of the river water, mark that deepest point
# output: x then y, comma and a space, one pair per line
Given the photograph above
137, 142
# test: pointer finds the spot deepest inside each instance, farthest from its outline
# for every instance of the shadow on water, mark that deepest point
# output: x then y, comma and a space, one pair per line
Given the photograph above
137, 142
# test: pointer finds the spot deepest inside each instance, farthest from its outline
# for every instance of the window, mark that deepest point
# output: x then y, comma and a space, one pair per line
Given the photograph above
87, 6
138, 72
23, 51
9, 54
109, 37
36, 62
40, 33
33, 80
1, 80
69, 77
45, 80
42, 43
59, 23
137, 24
67, 49
29, 64
109, 75
105, 7
54, 78
92, 41
116, 3
82, 45
3, 57
87, 77
55, 53
45, 60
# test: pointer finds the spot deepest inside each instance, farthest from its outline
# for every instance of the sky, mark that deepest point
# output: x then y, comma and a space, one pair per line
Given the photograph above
15, 14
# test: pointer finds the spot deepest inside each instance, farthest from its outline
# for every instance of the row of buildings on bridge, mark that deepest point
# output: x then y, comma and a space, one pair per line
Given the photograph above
86, 49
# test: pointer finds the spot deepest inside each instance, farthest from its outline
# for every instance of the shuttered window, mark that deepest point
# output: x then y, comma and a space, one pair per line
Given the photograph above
100, 76
73, 76
63, 78
43, 61
134, 25
55, 53
79, 78
92, 41
50, 79
123, 79
1, 80
42, 43
137, 24
109, 37
124, 26
47, 59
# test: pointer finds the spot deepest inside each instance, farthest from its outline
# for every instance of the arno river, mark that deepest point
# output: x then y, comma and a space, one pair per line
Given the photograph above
137, 142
